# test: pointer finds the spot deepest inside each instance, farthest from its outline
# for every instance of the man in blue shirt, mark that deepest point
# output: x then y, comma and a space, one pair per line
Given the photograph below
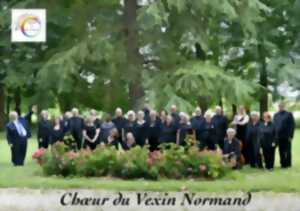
284, 124
17, 133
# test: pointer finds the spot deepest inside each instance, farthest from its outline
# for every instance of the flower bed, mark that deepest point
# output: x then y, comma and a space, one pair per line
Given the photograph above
170, 162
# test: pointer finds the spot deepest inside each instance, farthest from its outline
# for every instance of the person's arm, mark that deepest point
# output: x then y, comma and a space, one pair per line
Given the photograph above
244, 121
86, 136
8, 136
291, 125
96, 135
178, 137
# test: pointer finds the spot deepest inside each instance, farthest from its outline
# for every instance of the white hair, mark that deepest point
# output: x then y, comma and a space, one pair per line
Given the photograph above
207, 114
231, 130
13, 115
75, 111
131, 113
119, 110
254, 113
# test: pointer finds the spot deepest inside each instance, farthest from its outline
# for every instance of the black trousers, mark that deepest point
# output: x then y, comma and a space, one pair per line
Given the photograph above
269, 156
78, 139
285, 152
220, 142
254, 154
153, 142
43, 142
18, 152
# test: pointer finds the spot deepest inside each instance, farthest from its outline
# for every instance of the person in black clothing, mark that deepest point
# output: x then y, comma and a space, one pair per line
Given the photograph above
163, 116
130, 126
57, 131
220, 122
130, 142
240, 122
120, 122
184, 129
95, 119
76, 127
146, 111
168, 131
232, 149
43, 130
154, 131
106, 126
175, 115
113, 138
252, 140
209, 133
17, 134
197, 122
66, 121
141, 129
284, 123
90, 134
267, 141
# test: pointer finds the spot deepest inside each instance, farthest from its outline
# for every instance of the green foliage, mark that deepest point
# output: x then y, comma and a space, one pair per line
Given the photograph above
172, 162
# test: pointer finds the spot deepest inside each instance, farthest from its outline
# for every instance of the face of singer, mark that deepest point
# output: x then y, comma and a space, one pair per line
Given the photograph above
119, 112
267, 117
153, 115
230, 135
169, 120
242, 110
56, 121
130, 139
140, 115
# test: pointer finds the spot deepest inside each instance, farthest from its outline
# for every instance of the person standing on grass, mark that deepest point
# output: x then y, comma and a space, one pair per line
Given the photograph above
76, 127
197, 123
268, 141
253, 141
240, 123
154, 130
120, 121
17, 133
220, 121
284, 123
209, 133
44, 130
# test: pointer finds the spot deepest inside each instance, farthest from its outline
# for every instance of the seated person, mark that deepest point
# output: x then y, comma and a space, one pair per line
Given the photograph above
232, 149
113, 138
130, 141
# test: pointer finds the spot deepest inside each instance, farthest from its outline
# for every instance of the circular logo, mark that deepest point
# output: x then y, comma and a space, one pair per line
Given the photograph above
29, 25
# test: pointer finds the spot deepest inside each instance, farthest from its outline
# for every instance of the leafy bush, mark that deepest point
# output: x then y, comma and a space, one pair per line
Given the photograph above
171, 161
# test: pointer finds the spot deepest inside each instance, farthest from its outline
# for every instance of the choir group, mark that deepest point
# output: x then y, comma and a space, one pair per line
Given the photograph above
249, 139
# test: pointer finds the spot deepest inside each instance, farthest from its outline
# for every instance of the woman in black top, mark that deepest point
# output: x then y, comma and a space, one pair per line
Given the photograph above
130, 125
267, 141
44, 130
141, 129
57, 131
90, 134
154, 130
184, 129
168, 131
209, 133
253, 141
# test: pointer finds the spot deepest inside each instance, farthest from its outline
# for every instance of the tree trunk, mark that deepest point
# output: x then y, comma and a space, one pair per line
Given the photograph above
2, 107
136, 91
17, 98
263, 80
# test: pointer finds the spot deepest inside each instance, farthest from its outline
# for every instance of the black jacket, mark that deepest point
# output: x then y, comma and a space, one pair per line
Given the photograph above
284, 123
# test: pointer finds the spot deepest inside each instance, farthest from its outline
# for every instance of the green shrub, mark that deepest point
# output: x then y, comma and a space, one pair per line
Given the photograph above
171, 162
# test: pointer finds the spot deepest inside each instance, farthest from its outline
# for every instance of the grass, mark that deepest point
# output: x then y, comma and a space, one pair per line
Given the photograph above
31, 176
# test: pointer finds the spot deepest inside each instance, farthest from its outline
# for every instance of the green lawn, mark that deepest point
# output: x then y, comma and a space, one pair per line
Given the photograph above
245, 180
